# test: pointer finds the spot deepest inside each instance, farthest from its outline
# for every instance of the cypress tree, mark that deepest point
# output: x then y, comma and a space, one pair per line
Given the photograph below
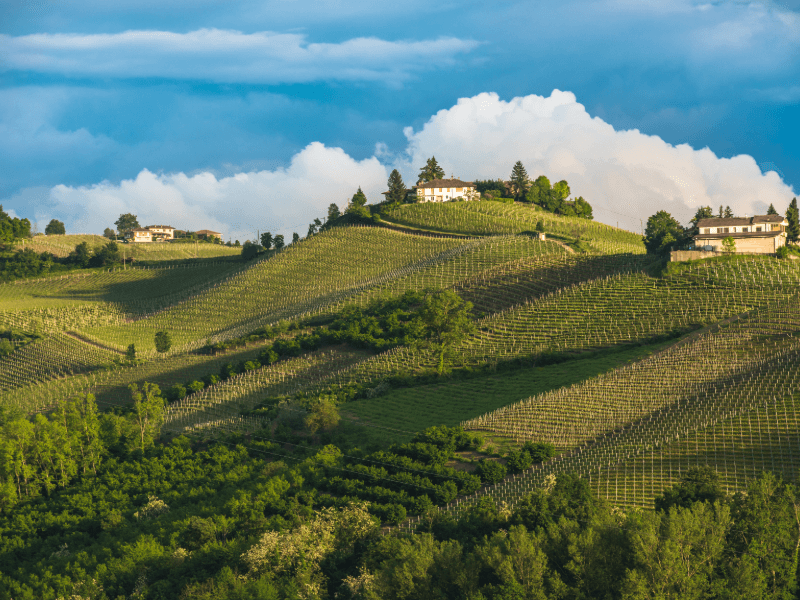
793, 216
519, 180
771, 210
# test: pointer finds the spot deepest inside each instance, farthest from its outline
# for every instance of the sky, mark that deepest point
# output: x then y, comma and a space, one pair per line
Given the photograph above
246, 116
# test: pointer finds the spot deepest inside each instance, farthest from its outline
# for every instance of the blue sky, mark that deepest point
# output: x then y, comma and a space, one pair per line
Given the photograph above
256, 115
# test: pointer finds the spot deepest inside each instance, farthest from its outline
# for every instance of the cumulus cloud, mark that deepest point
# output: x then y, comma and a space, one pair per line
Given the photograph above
625, 175
227, 56
281, 200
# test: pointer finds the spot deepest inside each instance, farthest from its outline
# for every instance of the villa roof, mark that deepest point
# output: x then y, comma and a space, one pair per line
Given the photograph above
739, 221
445, 183
747, 234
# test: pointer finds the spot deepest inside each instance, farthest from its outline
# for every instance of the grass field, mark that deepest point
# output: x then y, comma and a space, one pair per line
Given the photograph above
451, 402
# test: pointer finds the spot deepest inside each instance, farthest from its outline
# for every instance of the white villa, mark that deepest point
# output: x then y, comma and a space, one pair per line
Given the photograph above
762, 234
151, 233
442, 190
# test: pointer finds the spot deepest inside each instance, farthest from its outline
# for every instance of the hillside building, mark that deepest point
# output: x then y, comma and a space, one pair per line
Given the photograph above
762, 234
140, 234
444, 190
161, 232
207, 233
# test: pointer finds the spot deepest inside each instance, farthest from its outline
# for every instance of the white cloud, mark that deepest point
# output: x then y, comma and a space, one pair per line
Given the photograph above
282, 201
625, 175
227, 56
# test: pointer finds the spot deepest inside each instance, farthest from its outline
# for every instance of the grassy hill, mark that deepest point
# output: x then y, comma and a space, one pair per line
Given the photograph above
635, 371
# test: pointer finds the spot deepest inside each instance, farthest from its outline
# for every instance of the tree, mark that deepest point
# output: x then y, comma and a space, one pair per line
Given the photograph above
728, 212
793, 216
148, 412
539, 192
106, 255
55, 227
250, 250
109, 233
397, 189
431, 171
81, 255
163, 341
490, 471
295, 237
126, 223
662, 232
266, 240
324, 415
130, 353
12, 228
357, 206
699, 484
729, 245
334, 213
704, 212
447, 322
279, 243
519, 180
771, 210
582, 208
555, 201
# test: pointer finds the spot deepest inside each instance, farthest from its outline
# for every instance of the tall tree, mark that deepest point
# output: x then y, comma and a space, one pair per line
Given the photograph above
148, 411
397, 189
55, 227
431, 171
728, 212
295, 237
519, 180
334, 212
266, 240
109, 233
793, 216
13, 228
127, 223
771, 210
662, 232
447, 321
279, 243
357, 206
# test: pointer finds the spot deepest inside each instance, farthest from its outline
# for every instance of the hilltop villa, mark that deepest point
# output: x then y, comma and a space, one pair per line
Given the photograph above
442, 190
151, 233
762, 234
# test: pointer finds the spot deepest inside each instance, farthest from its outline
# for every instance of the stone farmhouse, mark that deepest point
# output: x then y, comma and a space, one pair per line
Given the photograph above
762, 234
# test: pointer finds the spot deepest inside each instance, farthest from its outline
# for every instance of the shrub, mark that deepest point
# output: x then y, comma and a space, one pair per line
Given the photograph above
539, 451
518, 461
782, 252
491, 471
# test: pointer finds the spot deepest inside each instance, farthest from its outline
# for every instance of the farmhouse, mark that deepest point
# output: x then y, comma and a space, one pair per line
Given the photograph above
207, 233
140, 234
161, 232
442, 190
762, 234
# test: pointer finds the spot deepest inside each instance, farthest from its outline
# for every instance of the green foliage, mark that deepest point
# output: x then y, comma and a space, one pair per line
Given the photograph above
518, 460
662, 233
431, 171
447, 319
6, 347
12, 229
278, 242
519, 180
491, 471
793, 216
163, 341
130, 353
266, 240
539, 451
55, 227
126, 223
397, 189
782, 252
699, 484
729, 245
109, 233
250, 250
771, 210
148, 413
323, 416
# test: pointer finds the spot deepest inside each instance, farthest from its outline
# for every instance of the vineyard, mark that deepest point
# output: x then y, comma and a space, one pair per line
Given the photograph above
632, 371
497, 218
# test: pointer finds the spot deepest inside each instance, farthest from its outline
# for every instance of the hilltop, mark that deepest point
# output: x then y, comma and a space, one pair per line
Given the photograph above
318, 370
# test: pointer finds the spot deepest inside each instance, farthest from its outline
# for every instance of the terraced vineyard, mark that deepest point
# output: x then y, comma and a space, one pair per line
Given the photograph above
497, 218
729, 399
